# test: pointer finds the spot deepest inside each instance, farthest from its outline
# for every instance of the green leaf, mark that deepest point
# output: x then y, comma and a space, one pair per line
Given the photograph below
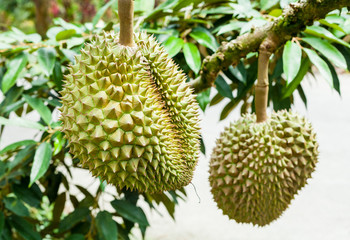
15, 145
232, 26
2, 222
291, 60
205, 38
101, 11
335, 79
332, 25
22, 156
239, 72
41, 162
16, 206
106, 227
74, 42
203, 99
318, 31
20, 122
27, 195
73, 218
267, 4
144, 6
202, 146
40, 107
76, 237
58, 75
173, 45
328, 50
24, 228
59, 206
130, 212
46, 59
223, 88
192, 57
321, 65
58, 143
14, 68
304, 68
65, 34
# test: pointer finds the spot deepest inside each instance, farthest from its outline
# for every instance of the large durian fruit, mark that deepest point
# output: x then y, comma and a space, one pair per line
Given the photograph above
260, 163
129, 115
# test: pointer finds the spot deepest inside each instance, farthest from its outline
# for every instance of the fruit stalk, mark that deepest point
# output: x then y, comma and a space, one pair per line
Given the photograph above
126, 18
262, 87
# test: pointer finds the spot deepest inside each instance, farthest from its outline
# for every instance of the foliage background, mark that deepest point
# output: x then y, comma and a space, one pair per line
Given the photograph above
36, 174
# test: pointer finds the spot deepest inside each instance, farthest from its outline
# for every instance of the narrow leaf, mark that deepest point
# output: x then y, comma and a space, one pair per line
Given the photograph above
192, 57
46, 59
16, 206
73, 218
321, 65
305, 64
14, 68
173, 45
318, 31
223, 88
106, 226
2, 222
41, 162
291, 60
40, 107
20, 122
24, 228
203, 99
205, 38
130, 212
15, 145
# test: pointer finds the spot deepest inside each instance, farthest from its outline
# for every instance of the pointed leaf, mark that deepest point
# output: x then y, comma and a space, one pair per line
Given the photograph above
106, 226
15, 145
321, 65
14, 68
173, 45
73, 218
328, 50
46, 59
20, 122
16, 206
291, 60
203, 99
223, 88
205, 38
40, 107
324, 33
130, 212
305, 64
192, 57
41, 162
24, 228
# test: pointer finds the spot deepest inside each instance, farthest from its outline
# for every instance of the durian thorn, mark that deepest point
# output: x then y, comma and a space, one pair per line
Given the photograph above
126, 18
266, 49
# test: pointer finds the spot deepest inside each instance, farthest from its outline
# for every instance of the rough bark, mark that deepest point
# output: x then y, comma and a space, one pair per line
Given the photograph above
294, 19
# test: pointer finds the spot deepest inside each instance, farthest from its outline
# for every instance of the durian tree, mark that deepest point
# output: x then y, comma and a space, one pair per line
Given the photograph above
210, 48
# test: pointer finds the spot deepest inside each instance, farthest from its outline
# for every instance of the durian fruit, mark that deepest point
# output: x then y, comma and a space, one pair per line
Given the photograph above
257, 168
129, 115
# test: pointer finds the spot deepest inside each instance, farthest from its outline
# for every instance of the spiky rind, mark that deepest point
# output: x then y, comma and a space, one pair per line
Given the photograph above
119, 113
257, 168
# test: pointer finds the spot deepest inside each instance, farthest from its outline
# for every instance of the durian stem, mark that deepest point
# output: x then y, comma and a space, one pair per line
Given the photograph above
126, 18
262, 87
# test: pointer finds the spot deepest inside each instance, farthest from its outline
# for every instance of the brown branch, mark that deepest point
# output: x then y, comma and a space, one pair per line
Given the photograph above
293, 20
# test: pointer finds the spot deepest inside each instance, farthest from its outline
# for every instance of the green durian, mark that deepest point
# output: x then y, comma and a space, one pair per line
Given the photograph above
257, 168
129, 115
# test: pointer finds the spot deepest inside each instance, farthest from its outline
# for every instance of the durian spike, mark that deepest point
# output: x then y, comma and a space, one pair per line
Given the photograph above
262, 87
126, 18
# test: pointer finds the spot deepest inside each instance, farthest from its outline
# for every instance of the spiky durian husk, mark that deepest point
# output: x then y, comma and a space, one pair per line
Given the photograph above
129, 115
257, 168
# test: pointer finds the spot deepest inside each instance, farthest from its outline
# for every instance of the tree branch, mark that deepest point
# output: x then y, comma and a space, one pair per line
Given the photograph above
294, 19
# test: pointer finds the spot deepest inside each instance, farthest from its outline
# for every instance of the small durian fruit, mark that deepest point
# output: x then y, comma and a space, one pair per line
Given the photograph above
257, 168
128, 113
260, 163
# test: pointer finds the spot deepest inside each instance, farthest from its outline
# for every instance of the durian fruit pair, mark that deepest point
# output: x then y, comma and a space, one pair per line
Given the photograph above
128, 113
260, 163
